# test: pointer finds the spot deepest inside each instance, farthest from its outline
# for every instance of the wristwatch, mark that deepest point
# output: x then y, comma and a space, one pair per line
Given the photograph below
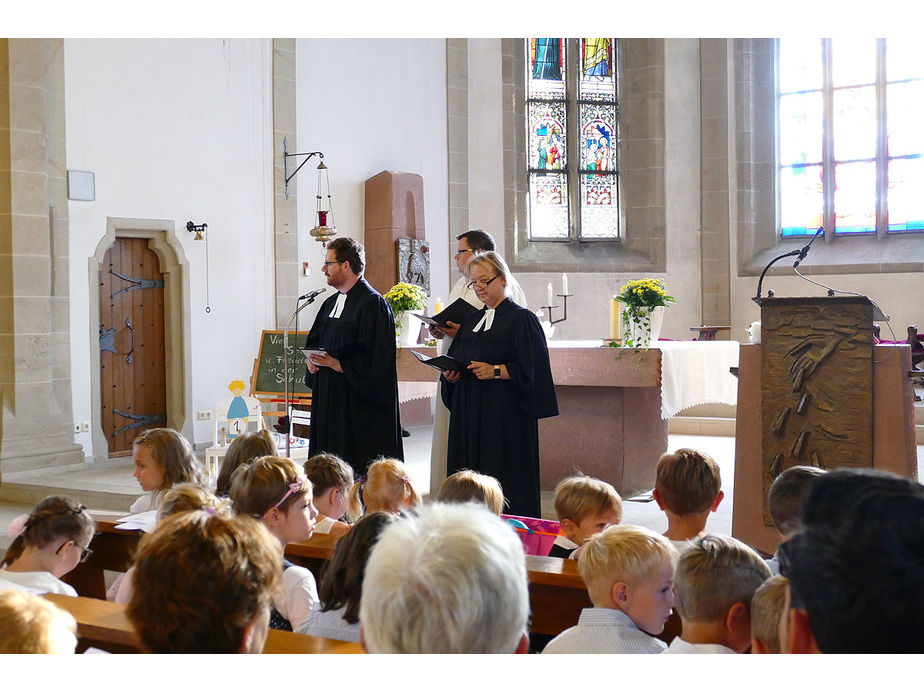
497, 373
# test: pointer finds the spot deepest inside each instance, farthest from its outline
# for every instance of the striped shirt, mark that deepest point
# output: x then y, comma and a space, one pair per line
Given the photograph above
604, 631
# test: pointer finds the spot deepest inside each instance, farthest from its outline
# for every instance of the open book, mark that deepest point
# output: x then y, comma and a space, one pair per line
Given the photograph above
441, 363
455, 312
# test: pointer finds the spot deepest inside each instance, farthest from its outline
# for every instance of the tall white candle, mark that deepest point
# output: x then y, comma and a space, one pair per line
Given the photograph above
564, 284
550, 302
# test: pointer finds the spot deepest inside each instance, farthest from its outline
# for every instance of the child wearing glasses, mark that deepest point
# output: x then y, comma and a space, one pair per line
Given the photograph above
47, 544
272, 490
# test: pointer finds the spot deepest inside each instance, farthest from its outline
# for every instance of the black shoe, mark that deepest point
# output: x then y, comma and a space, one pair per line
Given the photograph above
405, 433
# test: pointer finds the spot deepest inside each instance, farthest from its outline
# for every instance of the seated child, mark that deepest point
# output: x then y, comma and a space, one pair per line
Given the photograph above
163, 458
47, 544
715, 581
785, 499
688, 487
585, 506
331, 479
272, 490
245, 447
467, 486
385, 486
342, 581
766, 612
181, 498
32, 625
628, 571
203, 584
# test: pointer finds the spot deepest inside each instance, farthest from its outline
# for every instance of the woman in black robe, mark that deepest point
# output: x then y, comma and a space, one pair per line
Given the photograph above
495, 406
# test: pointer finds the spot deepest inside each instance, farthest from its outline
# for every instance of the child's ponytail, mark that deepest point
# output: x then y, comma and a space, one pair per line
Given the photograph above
55, 518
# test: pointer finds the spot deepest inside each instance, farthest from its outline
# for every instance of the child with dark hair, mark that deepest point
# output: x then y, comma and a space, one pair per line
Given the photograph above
245, 447
47, 544
342, 581
204, 583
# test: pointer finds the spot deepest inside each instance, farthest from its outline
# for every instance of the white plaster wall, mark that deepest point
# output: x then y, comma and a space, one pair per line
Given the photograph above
371, 105
179, 130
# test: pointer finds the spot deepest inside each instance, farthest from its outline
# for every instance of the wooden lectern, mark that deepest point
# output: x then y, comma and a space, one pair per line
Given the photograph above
816, 392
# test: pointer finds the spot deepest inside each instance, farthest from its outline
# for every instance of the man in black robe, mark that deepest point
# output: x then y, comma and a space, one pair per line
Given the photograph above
354, 410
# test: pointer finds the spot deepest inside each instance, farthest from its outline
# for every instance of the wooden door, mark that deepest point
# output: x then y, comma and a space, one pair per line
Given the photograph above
133, 393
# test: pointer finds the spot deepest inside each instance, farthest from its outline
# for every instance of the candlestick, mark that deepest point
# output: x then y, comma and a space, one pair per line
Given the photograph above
438, 306
564, 284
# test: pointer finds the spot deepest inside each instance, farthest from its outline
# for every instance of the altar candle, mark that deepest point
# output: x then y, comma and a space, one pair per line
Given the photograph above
550, 299
615, 331
564, 284
438, 306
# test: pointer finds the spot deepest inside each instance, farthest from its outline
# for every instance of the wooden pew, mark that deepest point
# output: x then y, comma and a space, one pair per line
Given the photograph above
104, 625
556, 590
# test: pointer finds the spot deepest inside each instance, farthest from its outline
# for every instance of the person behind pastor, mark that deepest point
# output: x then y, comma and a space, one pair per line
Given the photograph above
354, 386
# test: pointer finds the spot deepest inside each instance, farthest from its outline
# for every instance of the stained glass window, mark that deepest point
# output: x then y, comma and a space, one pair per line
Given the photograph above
571, 121
850, 146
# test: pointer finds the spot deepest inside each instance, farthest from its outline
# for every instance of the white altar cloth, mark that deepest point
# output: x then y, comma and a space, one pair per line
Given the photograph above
695, 373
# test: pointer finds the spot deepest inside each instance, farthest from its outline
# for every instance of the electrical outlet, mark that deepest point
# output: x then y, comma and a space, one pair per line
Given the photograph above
204, 415
76, 427
84, 426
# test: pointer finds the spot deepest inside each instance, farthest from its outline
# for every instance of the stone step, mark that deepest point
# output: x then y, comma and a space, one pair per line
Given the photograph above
31, 494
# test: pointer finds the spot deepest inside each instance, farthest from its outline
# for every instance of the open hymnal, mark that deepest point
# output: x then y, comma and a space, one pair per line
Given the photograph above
455, 312
441, 363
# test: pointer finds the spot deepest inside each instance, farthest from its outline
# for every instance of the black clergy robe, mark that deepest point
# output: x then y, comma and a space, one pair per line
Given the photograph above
354, 414
494, 424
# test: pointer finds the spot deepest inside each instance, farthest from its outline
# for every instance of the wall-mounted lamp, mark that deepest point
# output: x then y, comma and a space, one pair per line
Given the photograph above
324, 210
198, 229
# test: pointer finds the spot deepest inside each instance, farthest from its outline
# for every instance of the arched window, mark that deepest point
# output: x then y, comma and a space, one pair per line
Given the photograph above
849, 141
571, 135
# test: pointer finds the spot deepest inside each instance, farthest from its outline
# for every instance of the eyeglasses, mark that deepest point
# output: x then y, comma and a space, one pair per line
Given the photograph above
481, 284
85, 552
332, 262
462, 252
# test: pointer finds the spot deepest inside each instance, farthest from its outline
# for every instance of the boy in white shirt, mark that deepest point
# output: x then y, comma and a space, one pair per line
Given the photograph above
629, 573
715, 581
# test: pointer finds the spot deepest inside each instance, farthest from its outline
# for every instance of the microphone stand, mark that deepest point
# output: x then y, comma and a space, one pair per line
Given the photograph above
801, 252
285, 357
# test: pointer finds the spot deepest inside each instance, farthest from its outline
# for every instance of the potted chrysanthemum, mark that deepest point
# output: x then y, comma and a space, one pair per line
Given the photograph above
643, 312
404, 297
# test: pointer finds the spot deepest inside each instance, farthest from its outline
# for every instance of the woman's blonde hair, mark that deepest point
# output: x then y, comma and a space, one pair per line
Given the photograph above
267, 482
468, 486
495, 262
388, 482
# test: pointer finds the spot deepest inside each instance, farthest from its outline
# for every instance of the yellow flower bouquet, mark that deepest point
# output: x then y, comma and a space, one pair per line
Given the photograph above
641, 297
403, 296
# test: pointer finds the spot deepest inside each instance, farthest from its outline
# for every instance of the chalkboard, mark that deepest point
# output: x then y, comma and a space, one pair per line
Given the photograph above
270, 365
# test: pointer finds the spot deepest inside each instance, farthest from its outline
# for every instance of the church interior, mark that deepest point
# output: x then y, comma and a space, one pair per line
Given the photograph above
171, 157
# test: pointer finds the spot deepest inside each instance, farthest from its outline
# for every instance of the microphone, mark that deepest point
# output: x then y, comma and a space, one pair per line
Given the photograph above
805, 248
312, 294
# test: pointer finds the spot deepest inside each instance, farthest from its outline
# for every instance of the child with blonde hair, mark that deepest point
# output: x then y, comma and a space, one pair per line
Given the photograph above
272, 490
385, 486
688, 486
585, 506
32, 625
766, 611
163, 458
467, 486
47, 544
331, 479
181, 498
629, 573
714, 584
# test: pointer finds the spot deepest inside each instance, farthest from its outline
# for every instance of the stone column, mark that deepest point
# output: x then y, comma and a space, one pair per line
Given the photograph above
36, 413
